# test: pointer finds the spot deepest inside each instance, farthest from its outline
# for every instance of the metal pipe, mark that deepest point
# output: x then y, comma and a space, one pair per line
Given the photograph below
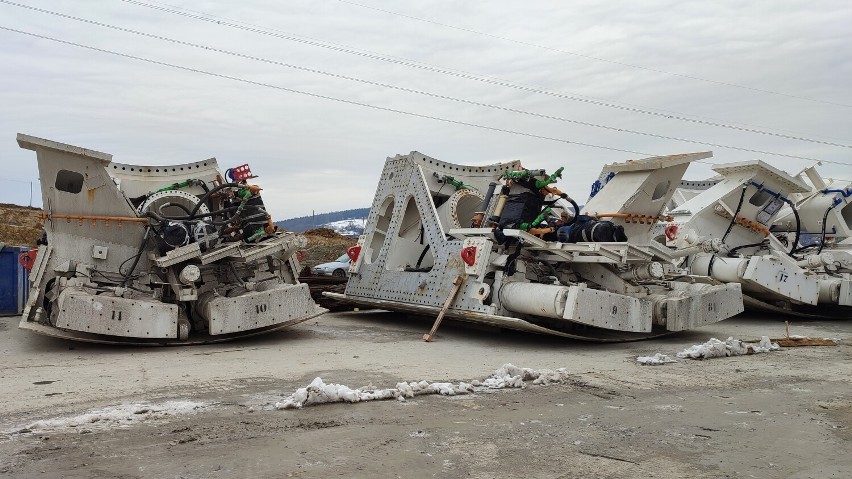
533, 298
478, 216
816, 261
829, 291
726, 270
712, 245
498, 208
644, 272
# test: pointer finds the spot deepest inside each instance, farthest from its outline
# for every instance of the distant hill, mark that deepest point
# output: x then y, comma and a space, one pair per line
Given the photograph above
346, 222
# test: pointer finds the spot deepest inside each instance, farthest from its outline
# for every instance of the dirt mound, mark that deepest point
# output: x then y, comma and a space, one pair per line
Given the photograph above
324, 245
323, 232
21, 225
323, 248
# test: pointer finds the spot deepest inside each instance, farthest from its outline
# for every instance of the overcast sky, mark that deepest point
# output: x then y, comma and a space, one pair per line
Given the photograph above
323, 155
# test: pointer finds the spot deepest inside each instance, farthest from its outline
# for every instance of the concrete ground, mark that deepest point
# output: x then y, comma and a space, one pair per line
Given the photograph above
207, 411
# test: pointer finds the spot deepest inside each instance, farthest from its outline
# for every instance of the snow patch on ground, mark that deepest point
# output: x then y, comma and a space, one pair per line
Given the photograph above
507, 376
121, 416
511, 376
713, 348
318, 392
656, 360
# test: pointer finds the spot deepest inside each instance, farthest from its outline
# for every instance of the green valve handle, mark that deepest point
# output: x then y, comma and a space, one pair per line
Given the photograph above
550, 179
538, 219
522, 174
258, 233
458, 184
177, 186
452, 181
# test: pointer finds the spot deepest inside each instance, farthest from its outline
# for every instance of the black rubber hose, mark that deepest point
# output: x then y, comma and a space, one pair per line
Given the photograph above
734, 217
422, 255
138, 256
161, 218
795, 244
824, 225
177, 205
576, 211
730, 227
203, 185
488, 195
206, 196
742, 246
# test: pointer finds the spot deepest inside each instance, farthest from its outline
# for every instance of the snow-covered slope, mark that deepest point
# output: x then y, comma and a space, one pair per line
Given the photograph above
353, 227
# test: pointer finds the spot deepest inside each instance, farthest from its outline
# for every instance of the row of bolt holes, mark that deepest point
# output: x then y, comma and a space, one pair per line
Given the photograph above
390, 297
157, 170
404, 294
490, 170
110, 329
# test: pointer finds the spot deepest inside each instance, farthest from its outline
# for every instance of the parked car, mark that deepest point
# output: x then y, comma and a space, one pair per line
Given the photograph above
338, 267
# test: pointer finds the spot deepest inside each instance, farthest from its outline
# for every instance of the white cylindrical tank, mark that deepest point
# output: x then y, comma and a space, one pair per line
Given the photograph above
534, 298
829, 291
726, 270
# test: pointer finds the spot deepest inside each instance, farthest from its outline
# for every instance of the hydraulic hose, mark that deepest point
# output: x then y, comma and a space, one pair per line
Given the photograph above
743, 246
734, 216
795, 244
824, 226
730, 227
236, 209
203, 199
576, 211
176, 205
138, 256
160, 217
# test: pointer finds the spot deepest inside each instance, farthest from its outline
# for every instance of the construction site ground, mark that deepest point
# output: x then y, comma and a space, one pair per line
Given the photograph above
780, 414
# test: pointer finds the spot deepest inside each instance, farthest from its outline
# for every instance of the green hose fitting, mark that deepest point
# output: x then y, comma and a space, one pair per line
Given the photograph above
550, 179
177, 186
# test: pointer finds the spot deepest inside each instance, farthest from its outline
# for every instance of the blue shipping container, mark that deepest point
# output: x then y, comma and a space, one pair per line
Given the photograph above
14, 284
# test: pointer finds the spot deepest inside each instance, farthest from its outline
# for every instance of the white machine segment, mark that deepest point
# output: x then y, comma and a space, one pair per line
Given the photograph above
131, 250
418, 237
116, 316
769, 226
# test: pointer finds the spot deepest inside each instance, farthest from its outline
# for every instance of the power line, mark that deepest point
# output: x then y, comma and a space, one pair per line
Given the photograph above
222, 21
590, 57
531, 135
404, 89
317, 95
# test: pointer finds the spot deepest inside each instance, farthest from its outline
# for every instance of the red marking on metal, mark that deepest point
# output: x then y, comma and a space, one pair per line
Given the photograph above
671, 232
468, 255
28, 259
